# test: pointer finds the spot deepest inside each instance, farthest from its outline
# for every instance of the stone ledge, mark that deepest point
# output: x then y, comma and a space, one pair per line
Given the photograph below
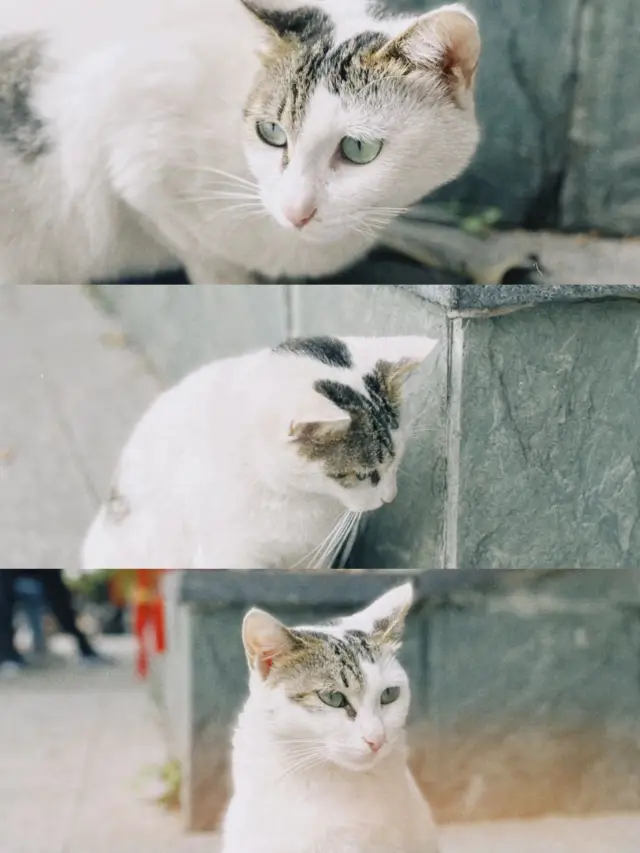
510, 590
470, 297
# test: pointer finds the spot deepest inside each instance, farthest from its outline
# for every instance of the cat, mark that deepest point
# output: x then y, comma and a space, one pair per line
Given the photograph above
243, 140
319, 758
266, 460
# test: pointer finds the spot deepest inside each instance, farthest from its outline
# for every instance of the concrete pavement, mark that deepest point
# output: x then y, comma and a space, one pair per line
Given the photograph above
71, 389
75, 745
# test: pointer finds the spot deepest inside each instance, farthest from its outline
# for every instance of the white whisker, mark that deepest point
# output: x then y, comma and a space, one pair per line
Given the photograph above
210, 170
319, 548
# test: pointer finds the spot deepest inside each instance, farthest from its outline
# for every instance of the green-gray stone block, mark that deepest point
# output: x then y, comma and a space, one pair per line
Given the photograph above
544, 463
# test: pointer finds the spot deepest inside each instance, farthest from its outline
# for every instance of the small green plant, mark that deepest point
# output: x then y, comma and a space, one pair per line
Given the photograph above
480, 224
171, 779
165, 779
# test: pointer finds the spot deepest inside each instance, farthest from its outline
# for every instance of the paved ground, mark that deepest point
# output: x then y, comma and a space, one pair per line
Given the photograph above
76, 746
70, 392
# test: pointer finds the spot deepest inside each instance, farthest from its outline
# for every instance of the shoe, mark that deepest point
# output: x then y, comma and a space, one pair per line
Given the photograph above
11, 668
93, 658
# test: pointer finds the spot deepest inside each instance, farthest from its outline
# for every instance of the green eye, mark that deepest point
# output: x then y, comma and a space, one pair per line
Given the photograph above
389, 696
271, 133
359, 151
333, 699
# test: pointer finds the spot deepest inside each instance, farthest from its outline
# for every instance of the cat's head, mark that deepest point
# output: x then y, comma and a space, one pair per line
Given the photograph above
333, 693
341, 427
349, 122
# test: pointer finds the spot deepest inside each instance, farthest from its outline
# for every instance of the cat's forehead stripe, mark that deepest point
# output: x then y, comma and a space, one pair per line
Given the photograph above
330, 351
335, 656
375, 416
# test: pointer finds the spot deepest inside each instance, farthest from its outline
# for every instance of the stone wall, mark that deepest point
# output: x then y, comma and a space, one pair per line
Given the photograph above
558, 103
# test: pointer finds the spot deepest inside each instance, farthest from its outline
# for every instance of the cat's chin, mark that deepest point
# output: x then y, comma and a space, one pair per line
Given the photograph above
362, 764
371, 506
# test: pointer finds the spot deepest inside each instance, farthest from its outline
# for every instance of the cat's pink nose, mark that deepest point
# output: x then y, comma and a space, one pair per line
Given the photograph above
375, 744
300, 216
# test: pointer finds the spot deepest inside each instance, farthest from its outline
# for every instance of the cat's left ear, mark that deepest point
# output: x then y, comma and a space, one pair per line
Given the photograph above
384, 619
445, 41
318, 418
266, 640
400, 357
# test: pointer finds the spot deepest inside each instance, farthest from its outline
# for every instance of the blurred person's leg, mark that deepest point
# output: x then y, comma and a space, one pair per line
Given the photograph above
30, 597
10, 659
60, 600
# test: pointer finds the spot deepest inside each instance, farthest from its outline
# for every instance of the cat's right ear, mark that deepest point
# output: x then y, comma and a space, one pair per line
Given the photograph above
445, 42
265, 640
318, 418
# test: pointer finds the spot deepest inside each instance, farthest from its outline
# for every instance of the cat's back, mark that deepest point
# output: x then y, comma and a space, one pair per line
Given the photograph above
208, 397
74, 29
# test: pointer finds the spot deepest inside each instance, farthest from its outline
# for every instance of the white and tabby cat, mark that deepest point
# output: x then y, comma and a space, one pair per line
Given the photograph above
262, 461
229, 136
319, 758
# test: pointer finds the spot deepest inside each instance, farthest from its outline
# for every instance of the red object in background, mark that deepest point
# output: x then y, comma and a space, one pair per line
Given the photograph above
148, 616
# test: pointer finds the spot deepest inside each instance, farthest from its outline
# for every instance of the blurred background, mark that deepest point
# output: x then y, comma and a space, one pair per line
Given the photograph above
524, 727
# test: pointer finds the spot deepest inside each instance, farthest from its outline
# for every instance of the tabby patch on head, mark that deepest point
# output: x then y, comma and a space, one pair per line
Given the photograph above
303, 54
352, 427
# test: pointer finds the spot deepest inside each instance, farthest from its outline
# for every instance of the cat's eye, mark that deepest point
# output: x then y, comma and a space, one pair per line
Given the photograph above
272, 133
333, 698
389, 696
360, 151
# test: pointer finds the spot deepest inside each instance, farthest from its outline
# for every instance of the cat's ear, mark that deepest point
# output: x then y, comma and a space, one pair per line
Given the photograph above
445, 41
400, 357
318, 417
265, 640
384, 619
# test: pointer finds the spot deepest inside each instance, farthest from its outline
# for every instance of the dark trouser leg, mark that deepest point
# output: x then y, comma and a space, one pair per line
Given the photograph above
7, 607
59, 599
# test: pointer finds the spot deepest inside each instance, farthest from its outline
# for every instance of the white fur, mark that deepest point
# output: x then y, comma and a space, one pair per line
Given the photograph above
144, 107
213, 479
307, 782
